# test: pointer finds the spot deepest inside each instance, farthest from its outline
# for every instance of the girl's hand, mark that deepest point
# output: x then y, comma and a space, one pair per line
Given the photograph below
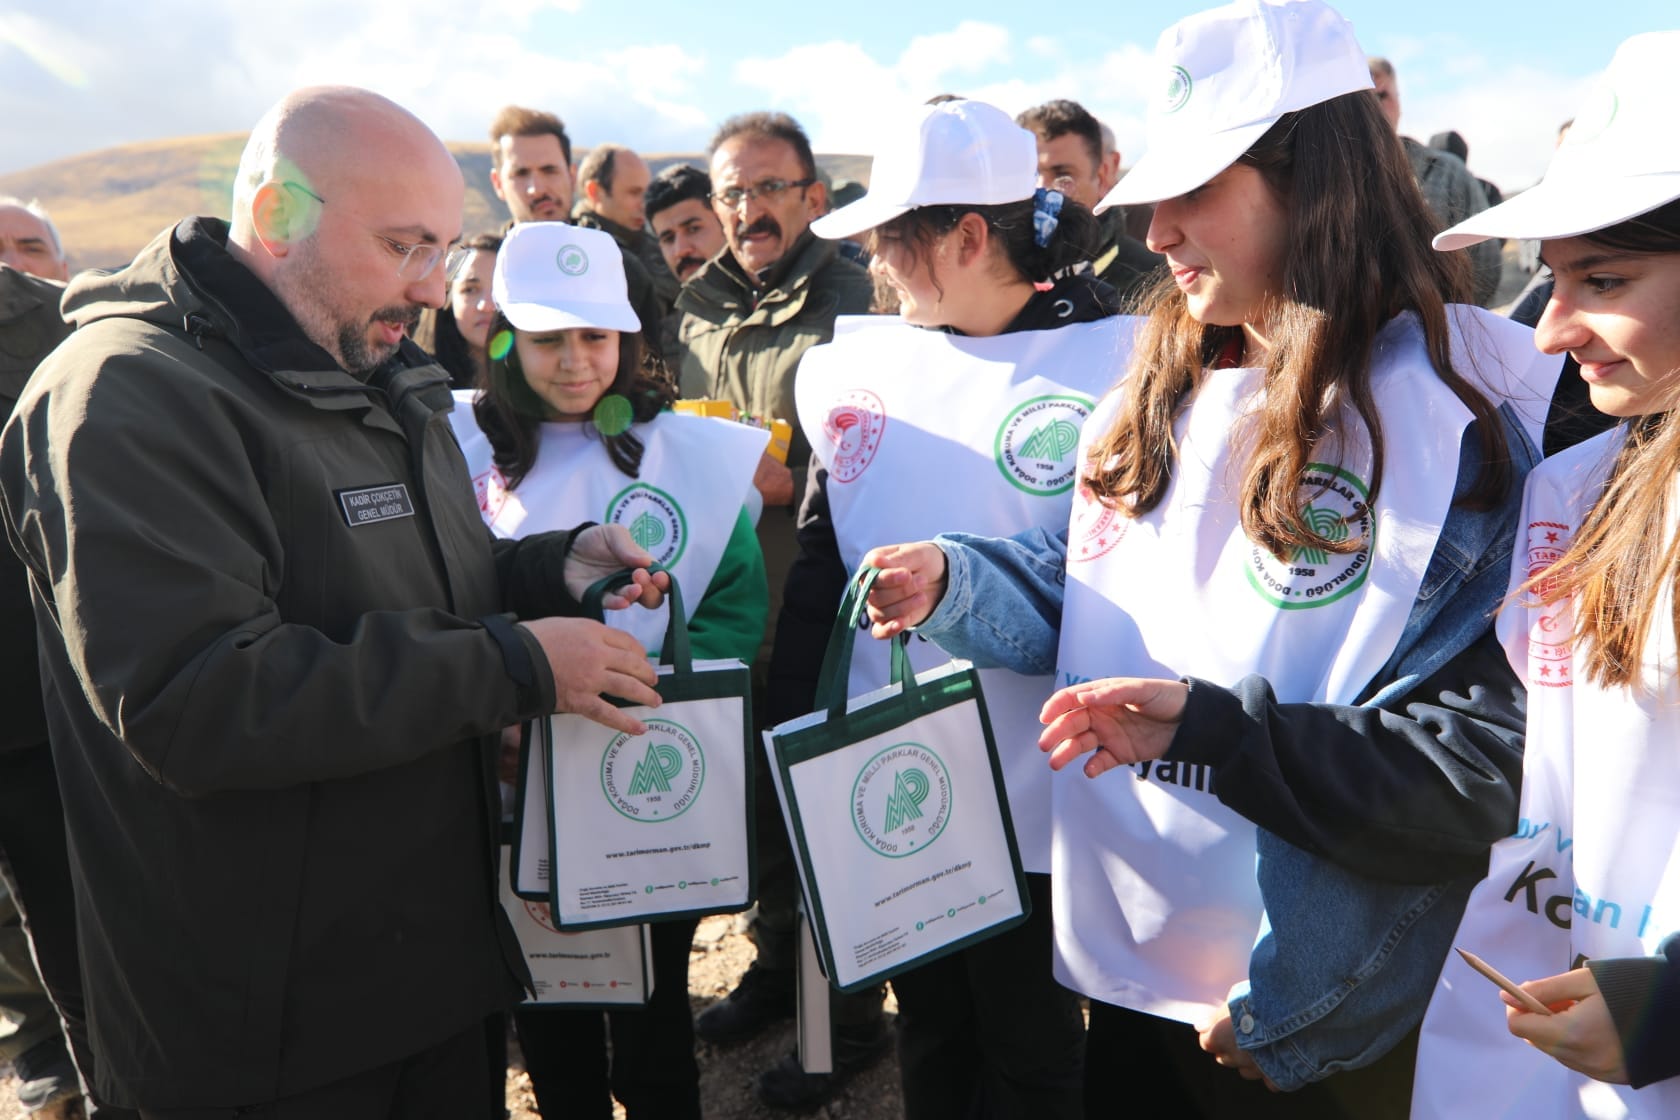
1580, 1034
601, 550
1219, 1038
911, 583
1122, 719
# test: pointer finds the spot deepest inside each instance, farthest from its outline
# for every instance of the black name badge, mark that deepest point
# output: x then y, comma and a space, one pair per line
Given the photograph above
371, 504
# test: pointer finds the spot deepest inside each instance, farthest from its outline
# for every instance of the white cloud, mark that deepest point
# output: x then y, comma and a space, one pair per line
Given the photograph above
841, 94
218, 68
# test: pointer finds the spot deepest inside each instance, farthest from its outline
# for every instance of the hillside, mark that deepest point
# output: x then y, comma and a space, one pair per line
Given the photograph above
108, 204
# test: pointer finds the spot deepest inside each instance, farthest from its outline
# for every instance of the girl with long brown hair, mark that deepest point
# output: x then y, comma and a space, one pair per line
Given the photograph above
1289, 535
1583, 900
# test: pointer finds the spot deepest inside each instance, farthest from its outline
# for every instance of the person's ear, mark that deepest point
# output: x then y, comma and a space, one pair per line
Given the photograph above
816, 199
971, 238
278, 218
496, 182
1108, 171
593, 192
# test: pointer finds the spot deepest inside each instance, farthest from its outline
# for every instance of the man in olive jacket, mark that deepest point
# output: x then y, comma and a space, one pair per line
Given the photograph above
275, 664
748, 317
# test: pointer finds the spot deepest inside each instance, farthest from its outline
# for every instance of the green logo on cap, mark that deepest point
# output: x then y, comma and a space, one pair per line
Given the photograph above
1178, 88
573, 261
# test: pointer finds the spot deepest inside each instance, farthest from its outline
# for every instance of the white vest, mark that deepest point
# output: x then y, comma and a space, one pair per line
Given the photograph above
694, 479
925, 432
1155, 900
1594, 867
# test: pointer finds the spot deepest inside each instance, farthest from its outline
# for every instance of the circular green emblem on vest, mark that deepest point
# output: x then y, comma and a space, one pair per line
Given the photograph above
655, 520
656, 777
1178, 89
1337, 505
1037, 443
572, 260
901, 800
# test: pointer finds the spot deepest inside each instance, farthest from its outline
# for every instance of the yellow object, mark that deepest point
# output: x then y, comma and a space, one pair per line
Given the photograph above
722, 409
781, 432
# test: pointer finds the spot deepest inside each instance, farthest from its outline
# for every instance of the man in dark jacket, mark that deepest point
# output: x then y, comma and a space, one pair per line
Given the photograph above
1072, 159
34, 862
274, 655
612, 184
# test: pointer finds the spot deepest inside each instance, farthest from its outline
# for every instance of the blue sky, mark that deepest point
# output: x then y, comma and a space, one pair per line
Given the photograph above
84, 74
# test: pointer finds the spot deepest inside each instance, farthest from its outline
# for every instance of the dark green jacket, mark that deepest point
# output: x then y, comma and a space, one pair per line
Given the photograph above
271, 699
638, 243
1124, 263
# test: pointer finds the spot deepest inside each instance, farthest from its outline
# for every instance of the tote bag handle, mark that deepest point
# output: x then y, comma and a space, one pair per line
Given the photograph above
837, 661
675, 651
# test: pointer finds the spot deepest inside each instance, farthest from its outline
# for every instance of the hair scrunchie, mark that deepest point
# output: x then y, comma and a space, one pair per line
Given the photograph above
1047, 210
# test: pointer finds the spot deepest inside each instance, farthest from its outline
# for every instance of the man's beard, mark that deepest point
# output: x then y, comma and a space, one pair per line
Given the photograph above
361, 356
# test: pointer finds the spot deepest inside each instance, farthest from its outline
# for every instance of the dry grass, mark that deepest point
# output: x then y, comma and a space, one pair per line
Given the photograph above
109, 204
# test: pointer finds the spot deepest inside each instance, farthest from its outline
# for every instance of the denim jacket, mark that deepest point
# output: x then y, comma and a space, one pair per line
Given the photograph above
1346, 963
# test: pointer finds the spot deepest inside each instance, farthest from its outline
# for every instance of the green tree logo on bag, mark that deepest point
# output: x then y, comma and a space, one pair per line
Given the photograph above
655, 520
1036, 443
1336, 504
910, 789
656, 777
654, 773
901, 800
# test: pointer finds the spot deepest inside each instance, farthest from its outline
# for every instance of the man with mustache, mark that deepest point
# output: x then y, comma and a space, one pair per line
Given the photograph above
749, 315
679, 208
531, 171
275, 659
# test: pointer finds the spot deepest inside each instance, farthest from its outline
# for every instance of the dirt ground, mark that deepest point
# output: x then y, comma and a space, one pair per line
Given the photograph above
720, 955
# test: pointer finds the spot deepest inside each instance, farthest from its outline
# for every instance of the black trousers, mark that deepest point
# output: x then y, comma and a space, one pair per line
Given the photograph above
987, 1031
448, 1081
653, 1069
1129, 1050
34, 858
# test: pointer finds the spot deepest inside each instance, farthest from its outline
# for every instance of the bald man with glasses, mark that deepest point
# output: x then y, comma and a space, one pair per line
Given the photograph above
275, 648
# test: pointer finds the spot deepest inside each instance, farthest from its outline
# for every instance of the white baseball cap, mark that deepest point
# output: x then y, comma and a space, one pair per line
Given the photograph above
964, 152
1619, 159
551, 277
1225, 76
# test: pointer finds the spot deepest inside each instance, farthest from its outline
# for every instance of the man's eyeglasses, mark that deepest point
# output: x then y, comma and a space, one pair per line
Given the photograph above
767, 188
414, 262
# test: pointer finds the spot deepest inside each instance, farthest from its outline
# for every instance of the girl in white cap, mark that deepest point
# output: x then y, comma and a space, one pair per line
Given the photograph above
572, 425
963, 412
1583, 901
1287, 535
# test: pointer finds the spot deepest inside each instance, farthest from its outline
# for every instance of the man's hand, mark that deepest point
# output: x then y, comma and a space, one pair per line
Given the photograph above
911, 583
1219, 1039
507, 759
601, 550
1580, 1033
774, 480
1122, 719
589, 658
